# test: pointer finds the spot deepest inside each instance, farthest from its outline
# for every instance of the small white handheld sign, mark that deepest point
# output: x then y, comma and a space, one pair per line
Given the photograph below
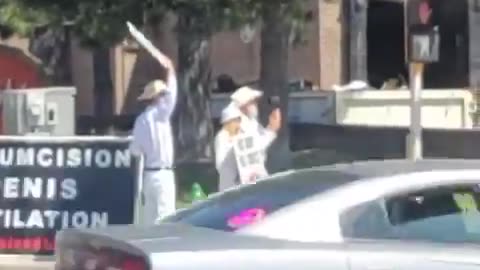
250, 158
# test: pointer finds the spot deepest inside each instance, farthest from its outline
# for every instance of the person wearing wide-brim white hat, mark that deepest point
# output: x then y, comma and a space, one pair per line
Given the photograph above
153, 140
246, 100
225, 161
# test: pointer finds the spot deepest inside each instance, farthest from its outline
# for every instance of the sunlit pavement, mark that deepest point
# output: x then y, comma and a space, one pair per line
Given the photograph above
25, 262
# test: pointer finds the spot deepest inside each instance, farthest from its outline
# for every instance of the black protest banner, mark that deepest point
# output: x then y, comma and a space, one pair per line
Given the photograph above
46, 186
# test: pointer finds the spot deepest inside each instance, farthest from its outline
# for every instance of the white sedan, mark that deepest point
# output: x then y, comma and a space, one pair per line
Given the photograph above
369, 215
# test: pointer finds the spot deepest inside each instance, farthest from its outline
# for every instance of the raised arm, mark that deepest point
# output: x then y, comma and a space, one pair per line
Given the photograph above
266, 136
172, 86
269, 134
138, 138
164, 60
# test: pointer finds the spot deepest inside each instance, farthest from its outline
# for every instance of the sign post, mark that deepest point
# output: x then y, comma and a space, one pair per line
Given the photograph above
414, 139
422, 48
140, 195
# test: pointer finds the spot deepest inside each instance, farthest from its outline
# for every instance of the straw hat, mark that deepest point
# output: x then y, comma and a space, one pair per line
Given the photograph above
229, 113
244, 95
152, 89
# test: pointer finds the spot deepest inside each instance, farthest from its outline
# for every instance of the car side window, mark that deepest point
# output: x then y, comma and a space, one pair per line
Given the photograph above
244, 205
368, 220
443, 214
217, 213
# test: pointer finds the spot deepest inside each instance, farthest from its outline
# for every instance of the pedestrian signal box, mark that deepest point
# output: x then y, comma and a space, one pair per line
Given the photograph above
423, 38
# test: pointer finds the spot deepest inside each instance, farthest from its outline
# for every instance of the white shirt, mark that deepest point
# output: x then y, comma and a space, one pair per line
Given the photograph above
152, 132
264, 136
225, 161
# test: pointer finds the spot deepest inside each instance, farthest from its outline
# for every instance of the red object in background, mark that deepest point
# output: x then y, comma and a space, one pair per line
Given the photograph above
17, 71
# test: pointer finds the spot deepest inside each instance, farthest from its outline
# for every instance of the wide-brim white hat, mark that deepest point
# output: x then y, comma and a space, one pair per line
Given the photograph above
229, 113
244, 95
153, 89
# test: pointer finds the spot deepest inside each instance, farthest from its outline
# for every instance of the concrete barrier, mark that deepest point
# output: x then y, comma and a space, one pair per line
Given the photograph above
442, 108
363, 142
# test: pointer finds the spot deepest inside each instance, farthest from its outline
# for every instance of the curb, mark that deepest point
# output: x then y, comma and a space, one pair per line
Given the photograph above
26, 260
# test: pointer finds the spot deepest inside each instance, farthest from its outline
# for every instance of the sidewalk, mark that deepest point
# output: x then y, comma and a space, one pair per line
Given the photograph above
26, 262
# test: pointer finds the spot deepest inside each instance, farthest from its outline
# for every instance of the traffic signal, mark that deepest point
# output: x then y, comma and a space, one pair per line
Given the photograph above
418, 12
423, 39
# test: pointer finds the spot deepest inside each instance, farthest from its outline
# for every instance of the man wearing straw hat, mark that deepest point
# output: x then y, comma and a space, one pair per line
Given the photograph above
152, 137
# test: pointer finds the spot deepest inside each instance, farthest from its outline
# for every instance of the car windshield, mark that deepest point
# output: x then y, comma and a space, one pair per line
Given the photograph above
239, 207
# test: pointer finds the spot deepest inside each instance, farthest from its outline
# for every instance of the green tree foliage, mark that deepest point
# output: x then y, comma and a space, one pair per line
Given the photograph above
101, 23
16, 16
97, 23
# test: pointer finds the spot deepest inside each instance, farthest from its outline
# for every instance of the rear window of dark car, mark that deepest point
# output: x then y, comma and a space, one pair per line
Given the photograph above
263, 198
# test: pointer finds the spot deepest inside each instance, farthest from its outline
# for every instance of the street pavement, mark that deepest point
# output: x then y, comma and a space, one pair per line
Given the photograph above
26, 262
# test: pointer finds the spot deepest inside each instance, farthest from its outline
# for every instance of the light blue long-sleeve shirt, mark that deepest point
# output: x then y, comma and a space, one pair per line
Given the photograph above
152, 132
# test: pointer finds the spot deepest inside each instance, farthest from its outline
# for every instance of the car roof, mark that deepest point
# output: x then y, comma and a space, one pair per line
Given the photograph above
303, 183
382, 168
336, 175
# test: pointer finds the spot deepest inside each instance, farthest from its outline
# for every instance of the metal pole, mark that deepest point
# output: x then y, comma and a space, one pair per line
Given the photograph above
139, 195
414, 139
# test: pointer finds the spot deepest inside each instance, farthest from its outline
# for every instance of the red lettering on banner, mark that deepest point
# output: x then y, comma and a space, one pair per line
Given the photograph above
17, 243
37, 243
9, 243
47, 244
26, 244
32, 244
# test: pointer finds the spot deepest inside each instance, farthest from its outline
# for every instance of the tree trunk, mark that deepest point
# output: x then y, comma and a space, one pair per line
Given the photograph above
52, 47
103, 89
192, 122
274, 80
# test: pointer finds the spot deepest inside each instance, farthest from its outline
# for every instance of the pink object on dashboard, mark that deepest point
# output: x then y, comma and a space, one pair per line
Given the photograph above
246, 217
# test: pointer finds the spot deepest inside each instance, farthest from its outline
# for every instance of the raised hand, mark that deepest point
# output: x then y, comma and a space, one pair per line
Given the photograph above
275, 120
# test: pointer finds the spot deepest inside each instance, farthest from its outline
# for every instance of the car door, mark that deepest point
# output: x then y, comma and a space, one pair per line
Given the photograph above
403, 255
446, 215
